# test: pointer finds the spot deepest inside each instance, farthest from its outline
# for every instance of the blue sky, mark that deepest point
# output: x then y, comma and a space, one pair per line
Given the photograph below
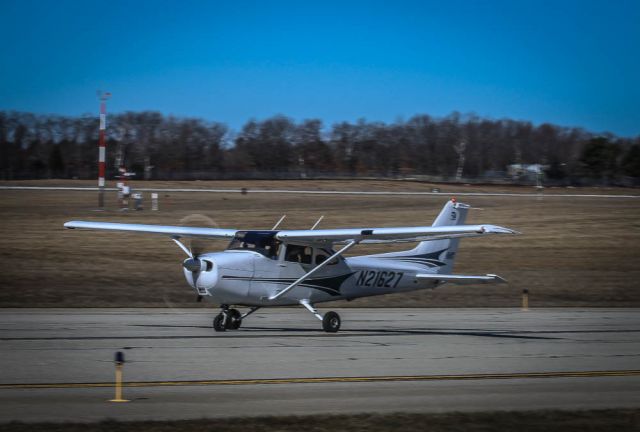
572, 63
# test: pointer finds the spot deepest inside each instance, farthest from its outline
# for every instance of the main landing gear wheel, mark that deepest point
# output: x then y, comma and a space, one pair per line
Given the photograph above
331, 322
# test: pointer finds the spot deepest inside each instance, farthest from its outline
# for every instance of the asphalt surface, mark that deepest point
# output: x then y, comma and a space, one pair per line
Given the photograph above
57, 364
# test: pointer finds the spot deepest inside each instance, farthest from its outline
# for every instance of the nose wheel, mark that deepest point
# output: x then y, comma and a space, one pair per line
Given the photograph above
228, 319
234, 320
219, 322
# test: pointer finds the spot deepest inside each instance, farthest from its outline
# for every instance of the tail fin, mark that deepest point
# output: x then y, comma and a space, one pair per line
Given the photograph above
443, 252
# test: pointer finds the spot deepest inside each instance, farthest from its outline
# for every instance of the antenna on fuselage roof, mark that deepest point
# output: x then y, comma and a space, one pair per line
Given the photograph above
317, 223
279, 222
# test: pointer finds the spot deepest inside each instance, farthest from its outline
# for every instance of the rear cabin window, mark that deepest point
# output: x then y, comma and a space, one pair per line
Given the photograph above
322, 255
307, 255
299, 254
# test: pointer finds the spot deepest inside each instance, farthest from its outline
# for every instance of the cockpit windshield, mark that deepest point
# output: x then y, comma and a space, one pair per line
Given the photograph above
263, 242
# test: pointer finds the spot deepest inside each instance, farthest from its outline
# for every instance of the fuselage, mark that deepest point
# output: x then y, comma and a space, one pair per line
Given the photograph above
246, 277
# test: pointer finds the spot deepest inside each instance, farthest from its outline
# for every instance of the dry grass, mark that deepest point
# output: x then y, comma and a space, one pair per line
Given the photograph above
573, 252
620, 420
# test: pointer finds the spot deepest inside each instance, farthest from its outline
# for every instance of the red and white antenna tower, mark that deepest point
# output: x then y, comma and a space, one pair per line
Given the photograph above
102, 146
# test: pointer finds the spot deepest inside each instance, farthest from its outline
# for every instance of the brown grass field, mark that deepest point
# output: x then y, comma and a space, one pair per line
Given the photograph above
619, 420
572, 251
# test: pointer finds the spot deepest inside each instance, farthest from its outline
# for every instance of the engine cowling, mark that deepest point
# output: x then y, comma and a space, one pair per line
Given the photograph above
201, 274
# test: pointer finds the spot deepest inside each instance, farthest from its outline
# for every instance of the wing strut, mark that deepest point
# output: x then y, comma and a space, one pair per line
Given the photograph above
351, 244
315, 225
279, 222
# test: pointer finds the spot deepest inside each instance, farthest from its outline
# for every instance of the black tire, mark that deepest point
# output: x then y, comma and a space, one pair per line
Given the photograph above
217, 323
234, 320
331, 322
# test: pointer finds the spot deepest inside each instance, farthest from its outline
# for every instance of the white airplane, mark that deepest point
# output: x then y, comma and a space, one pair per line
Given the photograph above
301, 267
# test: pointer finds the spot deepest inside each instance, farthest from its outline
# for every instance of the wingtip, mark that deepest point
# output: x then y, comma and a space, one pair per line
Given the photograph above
510, 231
497, 278
500, 230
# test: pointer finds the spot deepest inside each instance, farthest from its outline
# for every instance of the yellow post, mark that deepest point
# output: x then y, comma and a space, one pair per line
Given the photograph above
118, 384
525, 299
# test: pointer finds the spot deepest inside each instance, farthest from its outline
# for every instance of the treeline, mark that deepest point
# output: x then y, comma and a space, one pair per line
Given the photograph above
454, 147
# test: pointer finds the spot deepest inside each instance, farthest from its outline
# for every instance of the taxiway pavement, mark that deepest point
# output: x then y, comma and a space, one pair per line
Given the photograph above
57, 364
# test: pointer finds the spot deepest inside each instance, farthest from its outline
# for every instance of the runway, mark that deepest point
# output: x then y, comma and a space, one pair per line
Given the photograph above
57, 364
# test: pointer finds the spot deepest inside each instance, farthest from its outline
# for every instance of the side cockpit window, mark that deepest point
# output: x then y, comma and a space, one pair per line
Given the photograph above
262, 242
273, 249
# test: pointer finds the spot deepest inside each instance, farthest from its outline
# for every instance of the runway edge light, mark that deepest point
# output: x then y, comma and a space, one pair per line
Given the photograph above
525, 299
119, 361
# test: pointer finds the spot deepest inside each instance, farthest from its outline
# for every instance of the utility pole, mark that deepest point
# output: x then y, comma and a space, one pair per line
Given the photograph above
102, 146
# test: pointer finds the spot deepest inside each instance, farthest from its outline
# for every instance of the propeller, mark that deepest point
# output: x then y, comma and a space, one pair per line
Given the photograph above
195, 246
193, 249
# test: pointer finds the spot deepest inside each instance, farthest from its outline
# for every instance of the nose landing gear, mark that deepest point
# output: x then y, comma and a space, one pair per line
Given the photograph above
219, 322
230, 319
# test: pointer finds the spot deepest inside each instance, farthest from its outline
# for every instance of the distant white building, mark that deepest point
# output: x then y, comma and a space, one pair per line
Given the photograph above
527, 171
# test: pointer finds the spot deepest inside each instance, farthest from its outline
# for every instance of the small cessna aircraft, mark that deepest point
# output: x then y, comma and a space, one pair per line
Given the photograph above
301, 267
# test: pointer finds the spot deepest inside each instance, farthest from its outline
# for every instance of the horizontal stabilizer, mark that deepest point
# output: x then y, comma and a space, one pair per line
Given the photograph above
462, 279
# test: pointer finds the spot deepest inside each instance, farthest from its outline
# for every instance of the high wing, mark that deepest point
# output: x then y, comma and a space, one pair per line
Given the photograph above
462, 279
333, 236
173, 231
390, 235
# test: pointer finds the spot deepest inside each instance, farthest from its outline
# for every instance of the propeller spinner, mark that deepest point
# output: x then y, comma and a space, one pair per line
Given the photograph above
196, 247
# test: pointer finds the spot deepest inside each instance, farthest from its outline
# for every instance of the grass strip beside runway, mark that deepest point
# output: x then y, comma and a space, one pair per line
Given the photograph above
618, 420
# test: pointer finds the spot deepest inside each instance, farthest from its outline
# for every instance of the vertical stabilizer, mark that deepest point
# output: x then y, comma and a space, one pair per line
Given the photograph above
442, 253
439, 255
